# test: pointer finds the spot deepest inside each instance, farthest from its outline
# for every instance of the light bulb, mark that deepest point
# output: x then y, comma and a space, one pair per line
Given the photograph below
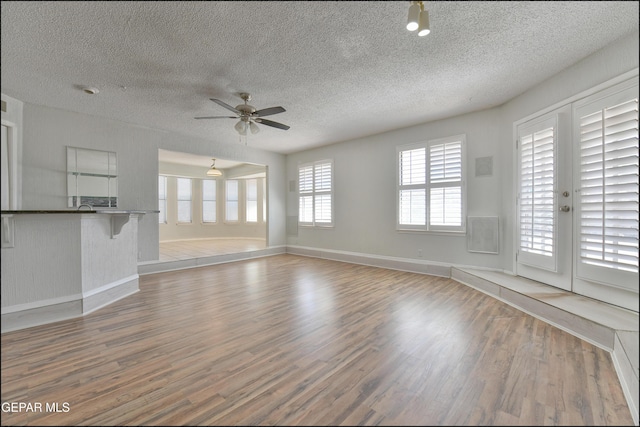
241, 127
414, 16
423, 29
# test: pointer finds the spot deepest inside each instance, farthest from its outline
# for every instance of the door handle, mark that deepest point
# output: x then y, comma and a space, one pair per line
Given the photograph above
565, 208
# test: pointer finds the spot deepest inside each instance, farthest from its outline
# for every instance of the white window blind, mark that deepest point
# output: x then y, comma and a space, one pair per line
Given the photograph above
445, 178
184, 200
537, 201
162, 199
231, 200
412, 198
315, 187
431, 185
4, 168
264, 200
322, 187
209, 205
607, 131
252, 200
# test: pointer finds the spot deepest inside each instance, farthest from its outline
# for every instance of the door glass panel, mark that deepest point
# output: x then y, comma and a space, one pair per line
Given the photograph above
537, 195
607, 144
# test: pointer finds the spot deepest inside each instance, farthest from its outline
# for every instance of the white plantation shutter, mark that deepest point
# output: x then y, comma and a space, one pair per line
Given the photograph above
184, 199
431, 185
305, 189
251, 207
162, 199
412, 198
315, 187
322, 186
413, 207
413, 166
231, 200
607, 134
209, 207
537, 212
445, 176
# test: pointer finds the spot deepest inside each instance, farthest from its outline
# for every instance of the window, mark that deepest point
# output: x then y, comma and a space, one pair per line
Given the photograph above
231, 200
315, 193
209, 206
11, 146
607, 135
264, 200
162, 199
6, 176
251, 200
92, 177
184, 200
431, 191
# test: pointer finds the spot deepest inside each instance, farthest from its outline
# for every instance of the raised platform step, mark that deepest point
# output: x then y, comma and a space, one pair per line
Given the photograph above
613, 328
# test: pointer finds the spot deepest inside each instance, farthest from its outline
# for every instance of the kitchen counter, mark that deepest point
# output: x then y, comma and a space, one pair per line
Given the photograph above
60, 264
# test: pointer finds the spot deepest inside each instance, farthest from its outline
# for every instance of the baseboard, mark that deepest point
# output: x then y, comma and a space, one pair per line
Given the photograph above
41, 315
109, 294
151, 267
38, 313
403, 264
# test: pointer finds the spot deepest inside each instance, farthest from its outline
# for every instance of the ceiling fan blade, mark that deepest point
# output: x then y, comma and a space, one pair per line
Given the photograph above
269, 111
271, 123
225, 105
216, 117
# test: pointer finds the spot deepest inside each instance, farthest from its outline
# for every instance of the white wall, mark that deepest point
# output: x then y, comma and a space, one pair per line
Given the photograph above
47, 132
365, 172
365, 193
364, 169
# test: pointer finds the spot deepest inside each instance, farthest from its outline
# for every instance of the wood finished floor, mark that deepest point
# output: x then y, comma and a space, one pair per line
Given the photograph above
290, 340
198, 248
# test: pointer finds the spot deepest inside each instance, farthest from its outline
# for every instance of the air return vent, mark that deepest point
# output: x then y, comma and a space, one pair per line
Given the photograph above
482, 234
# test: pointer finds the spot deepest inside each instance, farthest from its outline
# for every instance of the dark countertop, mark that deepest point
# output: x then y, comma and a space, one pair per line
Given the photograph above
76, 211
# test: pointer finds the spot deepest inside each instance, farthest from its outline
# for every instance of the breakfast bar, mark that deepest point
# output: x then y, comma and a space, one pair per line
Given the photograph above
60, 264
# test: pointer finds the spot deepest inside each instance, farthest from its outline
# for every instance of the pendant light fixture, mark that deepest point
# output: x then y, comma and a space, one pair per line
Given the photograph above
418, 18
414, 15
213, 171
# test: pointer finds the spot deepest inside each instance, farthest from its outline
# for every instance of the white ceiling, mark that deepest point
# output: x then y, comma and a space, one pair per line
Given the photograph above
189, 159
342, 70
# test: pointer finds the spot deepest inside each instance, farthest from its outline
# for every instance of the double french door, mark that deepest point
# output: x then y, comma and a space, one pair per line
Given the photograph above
577, 201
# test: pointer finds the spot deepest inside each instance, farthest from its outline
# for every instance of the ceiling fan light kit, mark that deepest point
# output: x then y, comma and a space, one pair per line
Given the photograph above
248, 115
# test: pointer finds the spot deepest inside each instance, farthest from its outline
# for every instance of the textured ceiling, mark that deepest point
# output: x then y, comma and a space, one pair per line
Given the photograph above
342, 70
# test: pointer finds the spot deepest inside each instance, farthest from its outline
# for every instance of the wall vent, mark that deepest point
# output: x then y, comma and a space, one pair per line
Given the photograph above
484, 166
483, 234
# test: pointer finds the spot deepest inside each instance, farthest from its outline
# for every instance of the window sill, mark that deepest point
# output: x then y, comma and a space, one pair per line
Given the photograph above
316, 226
434, 232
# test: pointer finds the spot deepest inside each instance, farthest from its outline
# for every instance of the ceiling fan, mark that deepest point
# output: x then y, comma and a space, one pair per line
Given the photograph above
249, 116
